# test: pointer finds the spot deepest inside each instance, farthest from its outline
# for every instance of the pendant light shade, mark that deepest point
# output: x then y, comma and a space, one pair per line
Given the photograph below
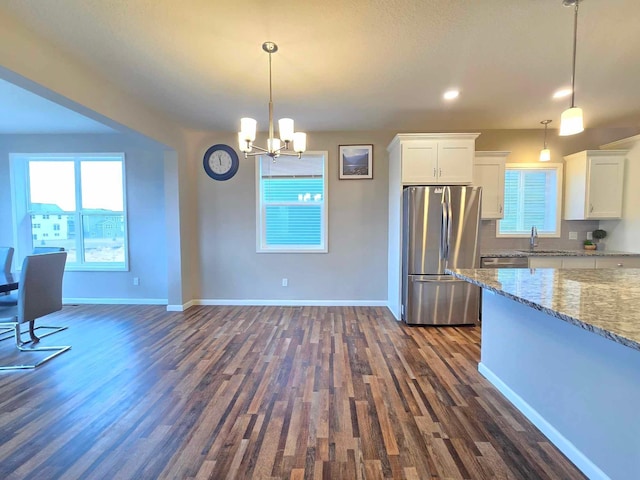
545, 153
571, 121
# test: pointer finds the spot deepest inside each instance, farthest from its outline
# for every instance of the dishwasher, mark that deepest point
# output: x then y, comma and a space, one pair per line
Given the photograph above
504, 262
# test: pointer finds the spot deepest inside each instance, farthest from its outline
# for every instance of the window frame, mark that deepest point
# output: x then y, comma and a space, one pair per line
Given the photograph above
20, 191
558, 167
261, 246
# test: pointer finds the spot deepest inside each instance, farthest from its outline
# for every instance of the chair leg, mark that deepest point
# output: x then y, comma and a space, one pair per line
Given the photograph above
34, 337
56, 351
7, 333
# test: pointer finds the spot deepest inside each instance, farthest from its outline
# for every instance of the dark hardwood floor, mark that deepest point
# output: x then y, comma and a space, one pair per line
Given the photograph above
262, 392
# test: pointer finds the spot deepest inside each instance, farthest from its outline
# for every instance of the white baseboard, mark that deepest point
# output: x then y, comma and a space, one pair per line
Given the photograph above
115, 301
233, 302
293, 303
563, 444
180, 308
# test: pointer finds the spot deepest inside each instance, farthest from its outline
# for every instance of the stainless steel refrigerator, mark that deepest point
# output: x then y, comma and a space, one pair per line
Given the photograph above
441, 229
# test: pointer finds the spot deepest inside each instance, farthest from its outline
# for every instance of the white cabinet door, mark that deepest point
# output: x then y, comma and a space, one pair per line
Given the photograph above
604, 192
593, 185
488, 173
455, 161
545, 262
618, 262
420, 162
578, 262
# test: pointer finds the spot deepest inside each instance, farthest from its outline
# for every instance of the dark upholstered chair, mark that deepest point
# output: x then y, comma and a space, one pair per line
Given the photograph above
6, 257
39, 294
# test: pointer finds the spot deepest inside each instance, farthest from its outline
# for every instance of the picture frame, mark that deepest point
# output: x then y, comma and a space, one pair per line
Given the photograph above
356, 162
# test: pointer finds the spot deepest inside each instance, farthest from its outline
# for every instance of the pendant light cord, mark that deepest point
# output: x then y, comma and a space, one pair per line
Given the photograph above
575, 42
271, 99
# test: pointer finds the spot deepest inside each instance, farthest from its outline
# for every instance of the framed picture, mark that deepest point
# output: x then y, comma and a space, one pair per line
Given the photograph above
356, 162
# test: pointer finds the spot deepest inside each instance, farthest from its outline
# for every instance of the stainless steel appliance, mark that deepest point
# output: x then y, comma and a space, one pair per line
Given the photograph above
504, 262
441, 229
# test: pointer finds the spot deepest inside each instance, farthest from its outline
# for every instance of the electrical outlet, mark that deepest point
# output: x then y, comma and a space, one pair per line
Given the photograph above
136, 280
573, 235
285, 282
589, 235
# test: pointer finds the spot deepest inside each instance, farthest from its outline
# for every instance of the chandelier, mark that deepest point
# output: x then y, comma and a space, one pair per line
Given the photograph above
289, 138
571, 120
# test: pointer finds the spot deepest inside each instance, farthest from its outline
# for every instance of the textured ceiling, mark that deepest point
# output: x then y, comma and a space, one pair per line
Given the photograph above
356, 64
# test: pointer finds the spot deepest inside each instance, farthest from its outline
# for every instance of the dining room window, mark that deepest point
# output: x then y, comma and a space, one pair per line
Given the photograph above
73, 201
291, 207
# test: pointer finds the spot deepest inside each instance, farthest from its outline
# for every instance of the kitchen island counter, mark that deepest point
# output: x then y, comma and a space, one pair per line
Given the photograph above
564, 347
604, 301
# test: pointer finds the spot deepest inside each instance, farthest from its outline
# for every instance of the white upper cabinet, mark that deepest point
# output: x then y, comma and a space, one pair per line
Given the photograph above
488, 173
433, 158
594, 184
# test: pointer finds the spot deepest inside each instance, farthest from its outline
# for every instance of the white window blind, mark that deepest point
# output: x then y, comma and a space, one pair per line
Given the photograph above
292, 203
532, 197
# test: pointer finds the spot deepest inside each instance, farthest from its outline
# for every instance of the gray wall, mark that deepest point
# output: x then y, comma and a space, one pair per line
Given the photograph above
353, 271
225, 267
145, 202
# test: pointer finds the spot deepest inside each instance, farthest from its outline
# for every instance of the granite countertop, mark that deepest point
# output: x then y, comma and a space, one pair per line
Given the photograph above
552, 252
604, 301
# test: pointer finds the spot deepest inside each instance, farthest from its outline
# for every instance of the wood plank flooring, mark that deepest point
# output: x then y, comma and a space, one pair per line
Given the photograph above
264, 393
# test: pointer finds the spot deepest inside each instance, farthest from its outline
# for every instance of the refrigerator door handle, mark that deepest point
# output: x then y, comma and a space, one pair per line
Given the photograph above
449, 222
443, 230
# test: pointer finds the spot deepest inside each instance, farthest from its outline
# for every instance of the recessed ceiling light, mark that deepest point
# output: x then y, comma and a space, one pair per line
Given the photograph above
451, 94
565, 92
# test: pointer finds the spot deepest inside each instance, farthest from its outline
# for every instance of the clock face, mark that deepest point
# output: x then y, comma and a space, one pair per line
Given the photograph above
221, 162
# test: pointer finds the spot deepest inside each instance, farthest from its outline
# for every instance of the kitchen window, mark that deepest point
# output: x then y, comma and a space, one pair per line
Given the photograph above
74, 201
532, 197
292, 203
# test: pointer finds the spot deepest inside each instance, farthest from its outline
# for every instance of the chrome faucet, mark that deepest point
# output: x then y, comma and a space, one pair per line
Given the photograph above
533, 240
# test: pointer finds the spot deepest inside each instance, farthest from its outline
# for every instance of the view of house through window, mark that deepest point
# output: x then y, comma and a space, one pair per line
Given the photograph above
75, 202
292, 203
532, 197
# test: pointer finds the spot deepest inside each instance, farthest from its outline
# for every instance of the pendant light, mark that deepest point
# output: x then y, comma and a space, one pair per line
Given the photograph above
545, 153
571, 121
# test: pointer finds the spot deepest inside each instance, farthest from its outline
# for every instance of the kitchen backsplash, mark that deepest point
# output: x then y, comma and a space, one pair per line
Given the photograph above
488, 240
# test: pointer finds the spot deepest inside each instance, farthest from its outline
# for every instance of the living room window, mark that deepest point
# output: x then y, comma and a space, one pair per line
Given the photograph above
291, 207
73, 201
532, 197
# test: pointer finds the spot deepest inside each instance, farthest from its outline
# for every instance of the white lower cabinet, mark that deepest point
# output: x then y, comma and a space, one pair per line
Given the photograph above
611, 261
578, 262
545, 262
618, 262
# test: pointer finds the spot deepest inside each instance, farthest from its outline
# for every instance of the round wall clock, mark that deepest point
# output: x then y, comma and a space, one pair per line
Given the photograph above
221, 162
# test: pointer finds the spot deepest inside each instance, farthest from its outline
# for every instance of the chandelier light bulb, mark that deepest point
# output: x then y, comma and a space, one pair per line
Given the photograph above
285, 127
299, 142
248, 129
